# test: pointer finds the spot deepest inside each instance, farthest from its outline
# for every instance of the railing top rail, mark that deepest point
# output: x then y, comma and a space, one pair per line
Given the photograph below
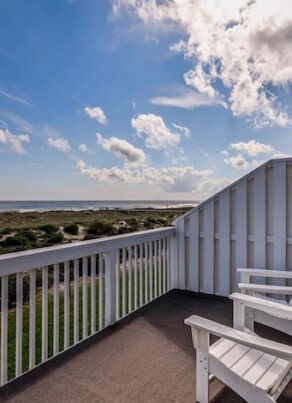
11, 263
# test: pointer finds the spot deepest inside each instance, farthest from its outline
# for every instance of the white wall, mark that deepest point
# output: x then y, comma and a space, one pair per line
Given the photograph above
248, 224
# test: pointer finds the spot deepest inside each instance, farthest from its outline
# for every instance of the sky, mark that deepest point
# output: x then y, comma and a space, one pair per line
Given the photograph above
141, 99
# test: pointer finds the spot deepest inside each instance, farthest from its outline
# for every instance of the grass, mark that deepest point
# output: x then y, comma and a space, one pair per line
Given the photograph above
34, 220
38, 327
25, 231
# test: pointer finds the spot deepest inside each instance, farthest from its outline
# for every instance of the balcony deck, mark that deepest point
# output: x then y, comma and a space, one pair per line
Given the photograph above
146, 357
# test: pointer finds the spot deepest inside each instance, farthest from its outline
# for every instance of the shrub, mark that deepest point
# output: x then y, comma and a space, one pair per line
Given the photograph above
100, 228
6, 231
16, 241
30, 235
49, 228
55, 238
71, 229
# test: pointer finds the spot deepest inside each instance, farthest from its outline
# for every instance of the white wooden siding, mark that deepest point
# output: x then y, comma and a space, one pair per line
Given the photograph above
247, 224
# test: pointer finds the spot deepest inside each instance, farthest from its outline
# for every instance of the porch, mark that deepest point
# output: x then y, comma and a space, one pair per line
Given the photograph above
146, 357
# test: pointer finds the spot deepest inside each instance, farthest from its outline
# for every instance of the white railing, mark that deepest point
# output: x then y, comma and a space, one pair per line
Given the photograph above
53, 298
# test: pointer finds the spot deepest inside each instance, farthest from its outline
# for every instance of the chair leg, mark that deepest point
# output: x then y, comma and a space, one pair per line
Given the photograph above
202, 367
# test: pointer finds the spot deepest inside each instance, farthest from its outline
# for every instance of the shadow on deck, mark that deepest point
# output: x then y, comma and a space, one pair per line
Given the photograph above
147, 357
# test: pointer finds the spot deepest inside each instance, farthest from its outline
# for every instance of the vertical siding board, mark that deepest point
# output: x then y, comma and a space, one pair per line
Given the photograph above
194, 251
279, 216
208, 272
223, 277
241, 230
181, 254
260, 220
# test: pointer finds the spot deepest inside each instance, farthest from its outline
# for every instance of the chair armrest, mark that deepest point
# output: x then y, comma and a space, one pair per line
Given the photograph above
247, 339
270, 307
268, 289
266, 273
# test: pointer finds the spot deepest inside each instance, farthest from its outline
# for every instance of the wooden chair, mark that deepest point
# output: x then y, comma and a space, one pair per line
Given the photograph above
259, 307
256, 368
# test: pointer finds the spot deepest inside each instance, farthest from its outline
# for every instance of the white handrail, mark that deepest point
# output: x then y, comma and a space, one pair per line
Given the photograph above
12, 263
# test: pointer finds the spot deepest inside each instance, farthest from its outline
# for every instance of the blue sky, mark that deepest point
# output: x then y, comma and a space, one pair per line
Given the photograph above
140, 100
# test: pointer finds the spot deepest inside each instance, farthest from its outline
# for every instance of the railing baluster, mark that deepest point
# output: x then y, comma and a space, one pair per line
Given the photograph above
110, 287
32, 286
118, 309
76, 301
136, 276
44, 313
100, 291
155, 269
19, 302
130, 279
141, 273
4, 328
124, 280
151, 269
168, 264
66, 305
84, 305
93, 293
159, 267
164, 265
146, 272
56, 310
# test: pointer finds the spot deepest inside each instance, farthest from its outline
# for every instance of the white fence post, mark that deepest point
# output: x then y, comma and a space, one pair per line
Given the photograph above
174, 261
181, 268
110, 288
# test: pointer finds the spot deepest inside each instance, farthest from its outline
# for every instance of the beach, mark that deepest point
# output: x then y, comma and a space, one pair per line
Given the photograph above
35, 229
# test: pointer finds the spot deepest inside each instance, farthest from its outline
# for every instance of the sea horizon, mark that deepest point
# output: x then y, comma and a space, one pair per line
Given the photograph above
23, 206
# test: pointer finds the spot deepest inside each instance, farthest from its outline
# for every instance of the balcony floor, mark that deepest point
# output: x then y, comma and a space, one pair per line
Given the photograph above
147, 357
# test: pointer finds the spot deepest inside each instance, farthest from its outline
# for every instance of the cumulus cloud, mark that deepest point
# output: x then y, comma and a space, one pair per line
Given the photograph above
59, 143
252, 148
239, 162
248, 150
13, 141
244, 46
158, 135
96, 113
122, 148
175, 179
83, 148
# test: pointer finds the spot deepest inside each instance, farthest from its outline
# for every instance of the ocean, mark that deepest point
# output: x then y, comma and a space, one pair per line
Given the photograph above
77, 205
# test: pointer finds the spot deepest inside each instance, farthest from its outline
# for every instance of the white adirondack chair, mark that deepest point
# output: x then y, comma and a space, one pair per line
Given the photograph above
279, 317
255, 368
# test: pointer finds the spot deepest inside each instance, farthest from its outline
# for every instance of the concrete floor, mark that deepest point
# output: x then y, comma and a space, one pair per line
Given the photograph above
147, 357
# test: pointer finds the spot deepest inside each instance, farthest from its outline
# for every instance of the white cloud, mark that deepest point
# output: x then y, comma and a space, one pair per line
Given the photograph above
175, 179
279, 154
252, 148
122, 148
239, 162
13, 141
244, 46
96, 113
158, 135
182, 129
83, 148
187, 99
59, 143
248, 150
14, 97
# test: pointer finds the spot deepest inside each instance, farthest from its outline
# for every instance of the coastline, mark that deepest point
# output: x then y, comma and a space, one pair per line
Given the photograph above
34, 229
